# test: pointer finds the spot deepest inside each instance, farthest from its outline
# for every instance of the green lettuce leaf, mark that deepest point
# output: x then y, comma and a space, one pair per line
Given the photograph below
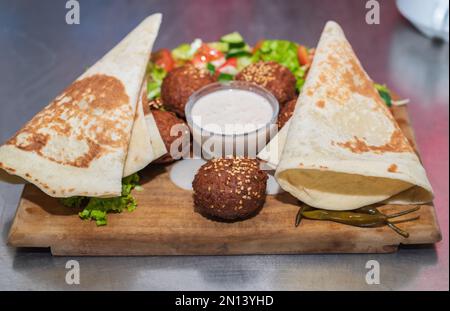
75, 202
385, 93
285, 53
155, 77
281, 51
98, 208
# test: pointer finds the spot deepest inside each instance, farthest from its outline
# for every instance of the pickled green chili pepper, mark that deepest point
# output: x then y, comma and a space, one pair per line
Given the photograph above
366, 217
414, 209
372, 210
348, 218
391, 224
298, 218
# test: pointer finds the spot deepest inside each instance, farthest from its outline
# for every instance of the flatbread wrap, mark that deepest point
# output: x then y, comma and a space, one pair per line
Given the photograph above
78, 144
146, 143
343, 149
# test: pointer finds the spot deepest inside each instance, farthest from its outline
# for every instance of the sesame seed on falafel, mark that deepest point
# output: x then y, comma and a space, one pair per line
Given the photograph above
165, 121
286, 112
180, 83
277, 79
230, 188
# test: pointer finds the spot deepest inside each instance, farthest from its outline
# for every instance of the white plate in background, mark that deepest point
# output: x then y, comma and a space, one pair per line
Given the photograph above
429, 16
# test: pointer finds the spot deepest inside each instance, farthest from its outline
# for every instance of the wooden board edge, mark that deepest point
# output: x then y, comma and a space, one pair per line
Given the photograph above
435, 233
13, 236
215, 250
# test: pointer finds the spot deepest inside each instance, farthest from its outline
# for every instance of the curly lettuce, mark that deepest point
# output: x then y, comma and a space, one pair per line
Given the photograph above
285, 53
385, 93
98, 208
155, 77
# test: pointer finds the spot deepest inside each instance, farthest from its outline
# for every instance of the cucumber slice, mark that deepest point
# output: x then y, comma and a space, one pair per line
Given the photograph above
237, 53
223, 47
233, 38
237, 45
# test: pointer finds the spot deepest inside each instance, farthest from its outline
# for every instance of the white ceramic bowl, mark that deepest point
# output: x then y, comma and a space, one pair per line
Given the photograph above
241, 144
429, 16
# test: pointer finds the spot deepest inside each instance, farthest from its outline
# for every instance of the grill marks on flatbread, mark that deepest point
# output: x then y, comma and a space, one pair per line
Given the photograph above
78, 144
397, 143
91, 113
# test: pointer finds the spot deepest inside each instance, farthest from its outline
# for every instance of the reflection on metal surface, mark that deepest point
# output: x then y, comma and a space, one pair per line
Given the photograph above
419, 67
2, 208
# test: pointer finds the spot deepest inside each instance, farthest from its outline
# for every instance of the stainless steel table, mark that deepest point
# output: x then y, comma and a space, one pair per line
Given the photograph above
40, 54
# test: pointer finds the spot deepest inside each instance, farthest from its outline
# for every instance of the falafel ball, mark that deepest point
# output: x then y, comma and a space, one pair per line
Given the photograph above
165, 121
229, 188
274, 77
180, 83
286, 112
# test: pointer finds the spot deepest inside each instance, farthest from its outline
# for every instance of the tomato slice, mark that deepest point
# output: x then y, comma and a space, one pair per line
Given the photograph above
229, 67
206, 54
230, 62
163, 58
303, 56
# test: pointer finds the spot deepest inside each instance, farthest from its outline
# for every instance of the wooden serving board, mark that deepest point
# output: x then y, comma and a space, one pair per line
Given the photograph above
165, 224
